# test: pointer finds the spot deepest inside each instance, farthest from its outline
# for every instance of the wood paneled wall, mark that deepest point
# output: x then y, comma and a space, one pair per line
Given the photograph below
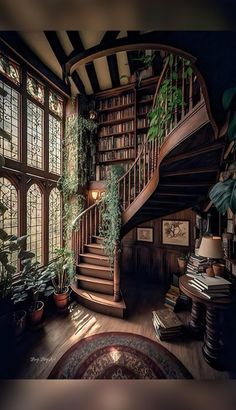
154, 262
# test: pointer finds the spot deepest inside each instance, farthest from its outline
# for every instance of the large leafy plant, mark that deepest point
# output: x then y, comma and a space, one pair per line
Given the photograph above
63, 269
111, 214
223, 194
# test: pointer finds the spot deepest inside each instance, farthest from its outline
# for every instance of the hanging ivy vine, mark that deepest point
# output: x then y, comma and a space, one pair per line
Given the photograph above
110, 226
76, 147
170, 98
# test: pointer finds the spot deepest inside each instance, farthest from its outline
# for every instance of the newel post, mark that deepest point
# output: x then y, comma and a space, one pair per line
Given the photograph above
116, 274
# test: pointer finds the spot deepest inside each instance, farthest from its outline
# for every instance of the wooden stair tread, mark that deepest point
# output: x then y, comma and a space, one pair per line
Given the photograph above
94, 267
95, 256
94, 245
100, 298
93, 279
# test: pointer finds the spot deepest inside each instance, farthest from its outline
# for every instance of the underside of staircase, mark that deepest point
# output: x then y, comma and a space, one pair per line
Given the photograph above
93, 286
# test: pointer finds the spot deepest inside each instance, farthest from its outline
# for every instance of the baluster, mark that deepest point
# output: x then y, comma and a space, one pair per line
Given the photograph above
86, 228
79, 238
191, 92
148, 163
129, 188
124, 194
176, 84
183, 90
95, 222
139, 175
116, 280
90, 225
82, 236
99, 216
144, 170
134, 181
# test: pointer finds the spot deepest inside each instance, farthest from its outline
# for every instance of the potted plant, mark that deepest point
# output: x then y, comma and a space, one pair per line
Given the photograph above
62, 270
33, 281
182, 262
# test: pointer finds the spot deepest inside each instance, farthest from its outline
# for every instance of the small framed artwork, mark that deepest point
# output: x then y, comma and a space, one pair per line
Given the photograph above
175, 232
145, 234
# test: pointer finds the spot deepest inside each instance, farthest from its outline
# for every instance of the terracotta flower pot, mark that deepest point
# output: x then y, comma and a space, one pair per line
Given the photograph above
219, 269
210, 272
182, 265
19, 322
37, 314
61, 299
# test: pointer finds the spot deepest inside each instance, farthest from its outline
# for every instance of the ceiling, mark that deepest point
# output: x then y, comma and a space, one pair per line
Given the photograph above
53, 48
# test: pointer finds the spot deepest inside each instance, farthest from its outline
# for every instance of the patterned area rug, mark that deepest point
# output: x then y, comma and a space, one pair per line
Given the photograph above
118, 355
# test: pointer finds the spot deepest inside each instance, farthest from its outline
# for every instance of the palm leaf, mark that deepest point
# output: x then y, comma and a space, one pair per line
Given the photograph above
228, 96
223, 195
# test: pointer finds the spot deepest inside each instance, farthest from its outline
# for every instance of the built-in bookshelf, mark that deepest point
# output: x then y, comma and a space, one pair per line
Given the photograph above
122, 124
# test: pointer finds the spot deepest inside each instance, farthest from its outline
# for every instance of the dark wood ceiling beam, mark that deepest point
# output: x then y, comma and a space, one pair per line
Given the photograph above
131, 55
78, 82
76, 42
112, 59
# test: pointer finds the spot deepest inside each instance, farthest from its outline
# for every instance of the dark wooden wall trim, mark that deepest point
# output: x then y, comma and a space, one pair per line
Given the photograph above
154, 262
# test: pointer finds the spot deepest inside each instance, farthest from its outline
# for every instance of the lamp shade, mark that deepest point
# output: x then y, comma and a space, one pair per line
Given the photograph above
211, 247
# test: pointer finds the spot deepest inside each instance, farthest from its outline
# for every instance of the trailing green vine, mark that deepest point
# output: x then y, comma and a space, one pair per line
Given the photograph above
76, 146
111, 215
169, 100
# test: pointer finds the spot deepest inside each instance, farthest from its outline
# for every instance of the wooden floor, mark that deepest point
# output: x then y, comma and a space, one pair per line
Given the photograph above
36, 354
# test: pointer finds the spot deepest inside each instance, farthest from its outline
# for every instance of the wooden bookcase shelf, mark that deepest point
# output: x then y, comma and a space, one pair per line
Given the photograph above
122, 124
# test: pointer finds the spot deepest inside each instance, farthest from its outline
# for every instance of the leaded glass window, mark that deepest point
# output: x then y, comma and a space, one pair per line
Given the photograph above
54, 221
34, 221
9, 121
35, 89
10, 69
34, 135
55, 132
9, 220
55, 104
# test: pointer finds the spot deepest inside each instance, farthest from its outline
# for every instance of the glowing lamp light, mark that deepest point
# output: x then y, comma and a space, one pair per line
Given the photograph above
94, 195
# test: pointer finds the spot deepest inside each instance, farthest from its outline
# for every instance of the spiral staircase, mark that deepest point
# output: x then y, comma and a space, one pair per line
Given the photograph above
165, 178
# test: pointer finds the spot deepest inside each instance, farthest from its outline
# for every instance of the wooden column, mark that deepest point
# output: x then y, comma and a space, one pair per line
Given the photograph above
116, 274
197, 321
213, 349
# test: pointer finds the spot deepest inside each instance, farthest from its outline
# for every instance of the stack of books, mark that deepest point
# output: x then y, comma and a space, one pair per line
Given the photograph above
167, 325
196, 264
211, 287
172, 298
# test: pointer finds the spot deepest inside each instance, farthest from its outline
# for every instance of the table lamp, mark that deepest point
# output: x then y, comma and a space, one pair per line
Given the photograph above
211, 248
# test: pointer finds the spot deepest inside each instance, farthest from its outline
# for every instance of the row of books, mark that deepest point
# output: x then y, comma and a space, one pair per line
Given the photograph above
146, 97
113, 155
229, 245
117, 115
167, 325
112, 142
211, 287
143, 122
116, 128
143, 109
196, 264
172, 298
118, 100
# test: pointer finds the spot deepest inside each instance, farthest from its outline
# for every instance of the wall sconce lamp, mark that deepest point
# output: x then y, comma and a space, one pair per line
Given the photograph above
94, 195
92, 115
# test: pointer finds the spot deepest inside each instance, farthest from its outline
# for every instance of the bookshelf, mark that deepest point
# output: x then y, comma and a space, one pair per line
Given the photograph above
122, 124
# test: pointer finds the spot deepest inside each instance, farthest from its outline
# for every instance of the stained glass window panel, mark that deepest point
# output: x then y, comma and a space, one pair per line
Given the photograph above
54, 222
34, 135
34, 221
9, 220
35, 89
9, 121
10, 69
55, 104
55, 133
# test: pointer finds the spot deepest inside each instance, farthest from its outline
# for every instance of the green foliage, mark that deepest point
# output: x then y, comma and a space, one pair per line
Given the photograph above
169, 100
223, 195
63, 268
111, 215
75, 168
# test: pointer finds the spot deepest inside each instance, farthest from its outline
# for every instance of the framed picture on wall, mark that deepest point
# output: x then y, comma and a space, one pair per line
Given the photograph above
175, 232
145, 234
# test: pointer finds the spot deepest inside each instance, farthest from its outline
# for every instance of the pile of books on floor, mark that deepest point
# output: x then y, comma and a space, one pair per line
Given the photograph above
167, 325
196, 264
172, 298
211, 287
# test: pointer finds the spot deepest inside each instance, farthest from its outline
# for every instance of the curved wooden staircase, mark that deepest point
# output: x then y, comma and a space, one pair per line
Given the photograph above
166, 177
